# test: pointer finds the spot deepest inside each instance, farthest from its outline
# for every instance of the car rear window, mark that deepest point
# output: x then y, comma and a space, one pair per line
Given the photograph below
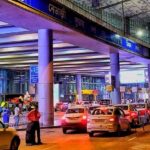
75, 110
103, 112
123, 107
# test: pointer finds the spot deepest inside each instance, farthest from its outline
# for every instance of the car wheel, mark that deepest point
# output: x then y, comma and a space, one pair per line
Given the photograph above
133, 123
129, 129
64, 130
15, 144
91, 134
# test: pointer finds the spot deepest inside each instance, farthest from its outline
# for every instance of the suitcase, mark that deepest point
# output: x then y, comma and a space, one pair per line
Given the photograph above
30, 133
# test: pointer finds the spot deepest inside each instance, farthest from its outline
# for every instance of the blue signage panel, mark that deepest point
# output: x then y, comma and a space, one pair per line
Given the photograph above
131, 45
78, 22
33, 74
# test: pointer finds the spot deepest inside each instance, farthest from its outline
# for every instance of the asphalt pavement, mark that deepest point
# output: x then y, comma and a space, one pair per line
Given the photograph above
54, 139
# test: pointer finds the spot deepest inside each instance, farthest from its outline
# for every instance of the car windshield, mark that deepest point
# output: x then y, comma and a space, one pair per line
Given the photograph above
75, 110
123, 107
108, 111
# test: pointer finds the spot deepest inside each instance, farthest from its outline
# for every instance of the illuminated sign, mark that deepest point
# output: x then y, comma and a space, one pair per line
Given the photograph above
33, 74
132, 76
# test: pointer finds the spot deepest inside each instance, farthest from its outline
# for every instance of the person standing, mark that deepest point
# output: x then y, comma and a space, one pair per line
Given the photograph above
16, 115
33, 126
5, 116
37, 124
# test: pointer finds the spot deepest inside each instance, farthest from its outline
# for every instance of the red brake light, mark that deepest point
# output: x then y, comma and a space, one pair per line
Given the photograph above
133, 114
84, 117
112, 119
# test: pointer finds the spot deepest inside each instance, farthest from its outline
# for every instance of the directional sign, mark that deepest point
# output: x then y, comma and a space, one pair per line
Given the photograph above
33, 74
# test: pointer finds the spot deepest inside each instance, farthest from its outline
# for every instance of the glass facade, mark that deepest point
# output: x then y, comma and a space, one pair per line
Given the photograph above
110, 19
13, 82
68, 89
17, 83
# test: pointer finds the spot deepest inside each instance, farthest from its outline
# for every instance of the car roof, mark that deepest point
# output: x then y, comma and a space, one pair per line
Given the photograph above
122, 105
76, 106
106, 107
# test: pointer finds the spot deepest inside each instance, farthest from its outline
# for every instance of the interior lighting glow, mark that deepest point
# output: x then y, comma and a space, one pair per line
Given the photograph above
139, 33
117, 36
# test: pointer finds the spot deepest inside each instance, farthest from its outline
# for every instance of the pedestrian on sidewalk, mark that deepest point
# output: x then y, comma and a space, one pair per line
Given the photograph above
16, 115
5, 116
33, 126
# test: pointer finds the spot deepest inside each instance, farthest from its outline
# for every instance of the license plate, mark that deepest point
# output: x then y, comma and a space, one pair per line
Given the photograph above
98, 120
73, 118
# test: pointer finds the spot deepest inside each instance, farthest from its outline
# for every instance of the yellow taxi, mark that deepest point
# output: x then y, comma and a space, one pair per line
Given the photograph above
107, 119
9, 140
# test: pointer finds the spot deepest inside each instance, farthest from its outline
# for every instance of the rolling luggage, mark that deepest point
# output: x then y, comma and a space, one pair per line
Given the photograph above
30, 133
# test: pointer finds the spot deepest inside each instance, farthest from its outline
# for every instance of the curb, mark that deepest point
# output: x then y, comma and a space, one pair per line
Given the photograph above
51, 127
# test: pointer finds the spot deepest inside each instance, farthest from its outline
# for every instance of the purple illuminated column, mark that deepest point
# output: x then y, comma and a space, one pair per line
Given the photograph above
45, 86
148, 70
115, 73
79, 87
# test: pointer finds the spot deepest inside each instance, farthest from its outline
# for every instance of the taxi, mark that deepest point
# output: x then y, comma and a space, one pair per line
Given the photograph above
107, 119
9, 140
130, 113
74, 118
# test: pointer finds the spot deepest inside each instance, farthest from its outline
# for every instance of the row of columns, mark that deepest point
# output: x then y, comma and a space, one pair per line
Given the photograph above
45, 86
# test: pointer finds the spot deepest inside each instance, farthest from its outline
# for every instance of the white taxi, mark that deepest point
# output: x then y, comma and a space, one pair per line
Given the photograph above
74, 118
9, 140
107, 119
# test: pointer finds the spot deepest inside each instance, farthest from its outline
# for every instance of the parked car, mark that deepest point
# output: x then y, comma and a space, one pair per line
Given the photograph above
144, 110
74, 118
60, 106
130, 113
107, 119
9, 138
92, 108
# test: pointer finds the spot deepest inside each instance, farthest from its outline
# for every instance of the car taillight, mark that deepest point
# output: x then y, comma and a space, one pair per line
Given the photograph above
84, 117
133, 114
112, 119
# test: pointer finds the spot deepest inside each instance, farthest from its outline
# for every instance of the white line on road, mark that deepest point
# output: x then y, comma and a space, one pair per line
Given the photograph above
132, 139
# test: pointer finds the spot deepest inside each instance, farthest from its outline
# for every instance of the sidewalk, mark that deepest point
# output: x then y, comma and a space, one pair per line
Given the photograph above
23, 121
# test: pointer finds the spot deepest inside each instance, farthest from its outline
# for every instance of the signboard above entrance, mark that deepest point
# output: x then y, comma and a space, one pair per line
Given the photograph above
33, 74
78, 22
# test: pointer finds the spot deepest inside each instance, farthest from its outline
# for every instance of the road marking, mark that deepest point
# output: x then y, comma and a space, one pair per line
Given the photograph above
132, 139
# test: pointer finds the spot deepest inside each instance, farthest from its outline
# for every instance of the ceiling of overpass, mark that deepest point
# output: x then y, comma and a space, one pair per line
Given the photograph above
19, 50
132, 8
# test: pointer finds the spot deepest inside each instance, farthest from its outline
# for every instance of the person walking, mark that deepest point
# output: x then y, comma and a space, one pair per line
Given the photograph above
16, 115
33, 126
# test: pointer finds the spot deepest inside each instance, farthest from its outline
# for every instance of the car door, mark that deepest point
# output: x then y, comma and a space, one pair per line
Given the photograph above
123, 121
3, 137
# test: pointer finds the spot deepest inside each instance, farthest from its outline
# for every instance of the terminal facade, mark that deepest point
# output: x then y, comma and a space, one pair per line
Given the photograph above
110, 37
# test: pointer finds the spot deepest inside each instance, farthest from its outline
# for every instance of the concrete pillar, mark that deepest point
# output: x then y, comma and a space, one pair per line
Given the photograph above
45, 86
79, 87
115, 76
